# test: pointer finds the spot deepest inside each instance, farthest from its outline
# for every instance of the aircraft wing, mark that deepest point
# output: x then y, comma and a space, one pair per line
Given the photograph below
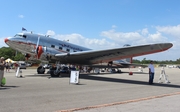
106, 55
115, 66
126, 65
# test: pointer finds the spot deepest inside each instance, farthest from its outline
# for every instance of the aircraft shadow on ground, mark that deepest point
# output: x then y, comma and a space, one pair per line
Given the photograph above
136, 73
46, 75
7, 87
107, 79
68, 75
95, 76
37, 75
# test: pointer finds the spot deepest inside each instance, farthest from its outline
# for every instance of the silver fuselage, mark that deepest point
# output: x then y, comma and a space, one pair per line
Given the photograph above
40, 47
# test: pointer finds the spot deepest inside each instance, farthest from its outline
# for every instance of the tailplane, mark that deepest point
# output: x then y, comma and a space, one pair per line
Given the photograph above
125, 61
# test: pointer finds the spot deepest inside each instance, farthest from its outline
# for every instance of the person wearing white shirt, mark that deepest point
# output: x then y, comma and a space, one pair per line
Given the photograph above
151, 72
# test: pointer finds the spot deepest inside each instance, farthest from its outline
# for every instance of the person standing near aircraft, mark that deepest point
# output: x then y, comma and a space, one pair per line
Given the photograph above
151, 72
2, 64
7, 65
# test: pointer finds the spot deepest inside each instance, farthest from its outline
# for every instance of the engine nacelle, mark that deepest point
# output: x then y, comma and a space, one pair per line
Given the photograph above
39, 51
47, 53
43, 53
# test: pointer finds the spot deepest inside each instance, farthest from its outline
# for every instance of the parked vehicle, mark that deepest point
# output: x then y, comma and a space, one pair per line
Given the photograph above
64, 69
178, 67
22, 65
47, 66
28, 64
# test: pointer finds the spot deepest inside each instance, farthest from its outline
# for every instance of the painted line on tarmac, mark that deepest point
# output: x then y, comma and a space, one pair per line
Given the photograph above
118, 103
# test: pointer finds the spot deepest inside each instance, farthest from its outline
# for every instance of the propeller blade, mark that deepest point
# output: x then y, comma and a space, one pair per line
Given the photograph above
37, 45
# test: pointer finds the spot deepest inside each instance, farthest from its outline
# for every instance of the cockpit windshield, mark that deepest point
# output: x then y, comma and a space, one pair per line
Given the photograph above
20, 35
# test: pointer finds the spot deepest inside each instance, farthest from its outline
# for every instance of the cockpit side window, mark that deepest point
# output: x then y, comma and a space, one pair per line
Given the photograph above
24, 36
20, 35
17, 35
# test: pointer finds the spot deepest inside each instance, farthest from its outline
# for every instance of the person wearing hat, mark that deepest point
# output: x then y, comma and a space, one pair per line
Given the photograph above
151, 72
2, 63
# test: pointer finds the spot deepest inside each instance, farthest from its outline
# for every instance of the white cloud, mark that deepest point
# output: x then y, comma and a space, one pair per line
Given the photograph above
121, 37
144, 31
114, 26
157, 37
21, 16
134, 38
170, 30
50, 33
86, 42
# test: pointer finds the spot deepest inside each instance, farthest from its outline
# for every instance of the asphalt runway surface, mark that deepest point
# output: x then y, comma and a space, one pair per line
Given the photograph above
105, 92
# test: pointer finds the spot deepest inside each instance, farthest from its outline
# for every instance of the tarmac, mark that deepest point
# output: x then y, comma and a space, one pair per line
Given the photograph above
161, 103
104, 92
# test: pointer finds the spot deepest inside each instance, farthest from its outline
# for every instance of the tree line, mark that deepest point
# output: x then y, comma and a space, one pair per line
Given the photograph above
8, 52
144, 61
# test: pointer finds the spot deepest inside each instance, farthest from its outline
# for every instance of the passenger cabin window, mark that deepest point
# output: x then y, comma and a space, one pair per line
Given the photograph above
60, 48
67, 50
53, 46
24, 36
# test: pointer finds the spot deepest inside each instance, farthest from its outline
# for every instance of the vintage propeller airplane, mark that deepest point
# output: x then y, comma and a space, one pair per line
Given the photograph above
45, 48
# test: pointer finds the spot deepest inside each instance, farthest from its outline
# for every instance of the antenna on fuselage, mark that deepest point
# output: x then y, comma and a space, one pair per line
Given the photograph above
126, 45
47, 35
66, 40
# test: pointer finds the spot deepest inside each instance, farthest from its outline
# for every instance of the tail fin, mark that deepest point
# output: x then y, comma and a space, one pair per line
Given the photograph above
124, 61
127, 60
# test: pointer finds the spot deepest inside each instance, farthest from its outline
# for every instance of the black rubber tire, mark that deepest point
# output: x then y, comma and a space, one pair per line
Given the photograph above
54, 75
40, 70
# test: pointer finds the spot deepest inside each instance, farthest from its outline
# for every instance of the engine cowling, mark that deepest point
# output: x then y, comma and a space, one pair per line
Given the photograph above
43, 53
39, 51
47, 53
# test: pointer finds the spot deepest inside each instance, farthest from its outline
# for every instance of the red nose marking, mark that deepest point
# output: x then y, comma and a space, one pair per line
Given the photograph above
5, 40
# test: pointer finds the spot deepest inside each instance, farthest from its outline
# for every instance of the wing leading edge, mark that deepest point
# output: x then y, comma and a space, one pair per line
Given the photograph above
100, 56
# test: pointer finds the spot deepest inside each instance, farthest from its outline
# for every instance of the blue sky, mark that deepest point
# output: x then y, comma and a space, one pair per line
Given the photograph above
97, 24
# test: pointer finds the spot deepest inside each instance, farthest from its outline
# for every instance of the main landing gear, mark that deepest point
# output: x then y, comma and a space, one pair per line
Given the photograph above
40, 70
55, 71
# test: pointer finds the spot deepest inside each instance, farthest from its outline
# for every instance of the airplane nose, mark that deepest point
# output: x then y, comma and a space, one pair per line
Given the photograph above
5, 40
